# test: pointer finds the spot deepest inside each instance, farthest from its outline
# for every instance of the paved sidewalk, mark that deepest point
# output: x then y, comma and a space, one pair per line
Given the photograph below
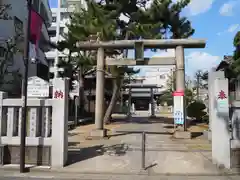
121, 153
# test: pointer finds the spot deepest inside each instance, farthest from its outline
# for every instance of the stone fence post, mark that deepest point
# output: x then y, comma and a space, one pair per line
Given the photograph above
3, 115
59, 150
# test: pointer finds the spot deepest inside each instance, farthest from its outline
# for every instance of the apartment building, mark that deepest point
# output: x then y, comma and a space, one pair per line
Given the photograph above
13, 28
60, 17
56, 32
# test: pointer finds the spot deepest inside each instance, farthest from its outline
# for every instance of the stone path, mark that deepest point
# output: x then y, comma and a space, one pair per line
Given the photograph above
121, 153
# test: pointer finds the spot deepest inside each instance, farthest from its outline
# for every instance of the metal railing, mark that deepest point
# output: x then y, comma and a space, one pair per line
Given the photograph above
143, 147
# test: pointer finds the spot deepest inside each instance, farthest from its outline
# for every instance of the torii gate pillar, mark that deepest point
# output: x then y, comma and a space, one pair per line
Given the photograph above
99, 106
180, 86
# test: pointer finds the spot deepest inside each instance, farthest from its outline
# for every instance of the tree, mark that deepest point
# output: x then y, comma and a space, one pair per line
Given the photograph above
200, 81
156, 21
235, 66
196, 110
83, 26
171, 87
232, 68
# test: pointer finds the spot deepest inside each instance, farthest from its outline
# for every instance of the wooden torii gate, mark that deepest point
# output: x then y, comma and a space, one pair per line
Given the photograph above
139, 46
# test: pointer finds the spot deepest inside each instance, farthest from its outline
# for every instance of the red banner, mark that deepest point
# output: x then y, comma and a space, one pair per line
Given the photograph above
36, 27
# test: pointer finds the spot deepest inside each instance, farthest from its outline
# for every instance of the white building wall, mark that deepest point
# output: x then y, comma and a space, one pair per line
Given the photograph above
159, 76
64, 19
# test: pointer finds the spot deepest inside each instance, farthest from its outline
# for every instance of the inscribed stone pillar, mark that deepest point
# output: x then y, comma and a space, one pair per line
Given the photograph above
212, 75
46, 118
220, 124
59, 150
34, 121
12, 115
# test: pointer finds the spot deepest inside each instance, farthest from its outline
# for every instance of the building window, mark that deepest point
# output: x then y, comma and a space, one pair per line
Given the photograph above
162, 76
54, 19
52, 33
61, 31
51, 62
43, 71
18, 24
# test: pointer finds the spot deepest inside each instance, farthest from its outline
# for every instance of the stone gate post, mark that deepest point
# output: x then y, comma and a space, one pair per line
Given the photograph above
59, 150
212, 76
3, 115
221, 138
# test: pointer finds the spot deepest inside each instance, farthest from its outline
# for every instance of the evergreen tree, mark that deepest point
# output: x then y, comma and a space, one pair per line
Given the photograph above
167, 96
234, 70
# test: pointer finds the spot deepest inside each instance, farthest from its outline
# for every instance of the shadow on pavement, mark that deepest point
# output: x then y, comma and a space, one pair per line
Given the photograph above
196, 134
82, 154
73, 143
140, 132
77, 155
169, 126
144, 120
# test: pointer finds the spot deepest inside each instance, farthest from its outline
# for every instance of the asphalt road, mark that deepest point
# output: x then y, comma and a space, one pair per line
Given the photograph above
130, 178
32, 178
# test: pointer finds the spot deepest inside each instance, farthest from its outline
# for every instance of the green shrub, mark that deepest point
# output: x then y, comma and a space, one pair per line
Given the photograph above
196, 109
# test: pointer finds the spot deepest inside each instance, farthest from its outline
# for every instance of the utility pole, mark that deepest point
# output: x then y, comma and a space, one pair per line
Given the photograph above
58, 19
24, 91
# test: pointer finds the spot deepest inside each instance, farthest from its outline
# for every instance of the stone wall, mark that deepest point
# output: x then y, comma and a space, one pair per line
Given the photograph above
46, 118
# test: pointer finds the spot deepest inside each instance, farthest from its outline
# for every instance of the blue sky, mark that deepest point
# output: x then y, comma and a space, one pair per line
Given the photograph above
217, 21
53, 3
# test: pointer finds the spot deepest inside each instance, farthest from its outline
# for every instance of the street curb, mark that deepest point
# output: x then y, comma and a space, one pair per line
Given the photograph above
9, 171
